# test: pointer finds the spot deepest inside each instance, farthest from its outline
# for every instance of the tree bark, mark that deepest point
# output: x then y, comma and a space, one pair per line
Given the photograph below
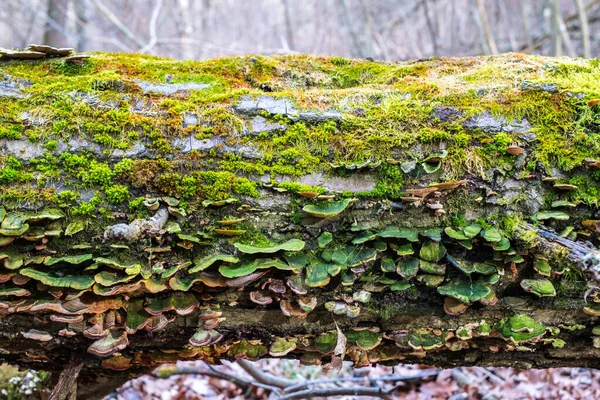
208, 218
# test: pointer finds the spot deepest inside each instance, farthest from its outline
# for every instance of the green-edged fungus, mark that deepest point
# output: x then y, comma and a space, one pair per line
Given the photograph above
425, 339
152, 204
455, 234
200, 264
171, 201
248, 349
388, 264
539, 287
542, 267
40, 336
592, 309
137, 316
296, 284
307, 303
430, 281
562, 203
328, 209
423, 192
472, 230
309, 195
290, 245
353, 256
519, 328
434, 234
16, 292
432, 167
454, 307
218, 203
502, 245
364, 237
596, 330
557, 215
324, 239
6, 240
247, 267
404, 249
106, 278
74, 227
464, 290
432, 268
410, 234
515, 258
74, 260
564, 186
12, 260
490, 300
289, 309
113, 342
432, 251
78, 282
130, 269
362, 296
49, 215
326, 342
181, 303
491, 235
365, 339
380, 246
407, 267
469, 268
230, 232
230, 221
319, 275
281, 347
13, 225
336, 307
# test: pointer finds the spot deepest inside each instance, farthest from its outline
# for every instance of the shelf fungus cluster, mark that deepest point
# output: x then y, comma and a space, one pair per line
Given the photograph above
155, 210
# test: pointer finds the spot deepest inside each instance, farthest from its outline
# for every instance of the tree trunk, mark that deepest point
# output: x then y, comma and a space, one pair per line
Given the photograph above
440, 212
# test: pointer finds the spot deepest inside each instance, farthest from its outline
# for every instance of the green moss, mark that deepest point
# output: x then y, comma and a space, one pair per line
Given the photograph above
390, 179
117, 194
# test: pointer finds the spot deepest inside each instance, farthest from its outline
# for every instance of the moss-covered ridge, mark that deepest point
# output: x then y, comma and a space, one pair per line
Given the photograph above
139, 193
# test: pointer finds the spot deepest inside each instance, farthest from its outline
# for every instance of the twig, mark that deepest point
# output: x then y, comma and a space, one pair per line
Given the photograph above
117, 23
485, 24
388, 378
585, 29
67, 381
330, 392
264, 377
167, 372
539, 40
153, 22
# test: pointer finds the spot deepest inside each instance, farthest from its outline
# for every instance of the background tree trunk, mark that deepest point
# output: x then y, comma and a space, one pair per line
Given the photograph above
157, 210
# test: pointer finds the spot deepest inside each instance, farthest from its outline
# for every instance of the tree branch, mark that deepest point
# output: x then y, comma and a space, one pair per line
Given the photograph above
371, 380
264, 377
67, 381
330, 392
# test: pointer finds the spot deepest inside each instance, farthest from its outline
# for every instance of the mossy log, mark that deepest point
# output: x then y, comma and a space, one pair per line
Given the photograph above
441, 211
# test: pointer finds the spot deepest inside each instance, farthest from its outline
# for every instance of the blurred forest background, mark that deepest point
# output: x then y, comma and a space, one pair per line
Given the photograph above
380, 29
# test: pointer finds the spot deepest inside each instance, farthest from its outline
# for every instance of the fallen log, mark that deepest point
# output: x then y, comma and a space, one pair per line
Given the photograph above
441, 211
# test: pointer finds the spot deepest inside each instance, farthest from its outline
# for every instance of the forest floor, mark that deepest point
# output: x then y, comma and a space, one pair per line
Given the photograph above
454, 384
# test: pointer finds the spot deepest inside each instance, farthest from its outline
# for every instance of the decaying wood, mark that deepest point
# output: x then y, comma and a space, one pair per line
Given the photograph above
307, 208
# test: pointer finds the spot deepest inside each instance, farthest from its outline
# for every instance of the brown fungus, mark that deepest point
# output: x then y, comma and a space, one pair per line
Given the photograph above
113, 342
